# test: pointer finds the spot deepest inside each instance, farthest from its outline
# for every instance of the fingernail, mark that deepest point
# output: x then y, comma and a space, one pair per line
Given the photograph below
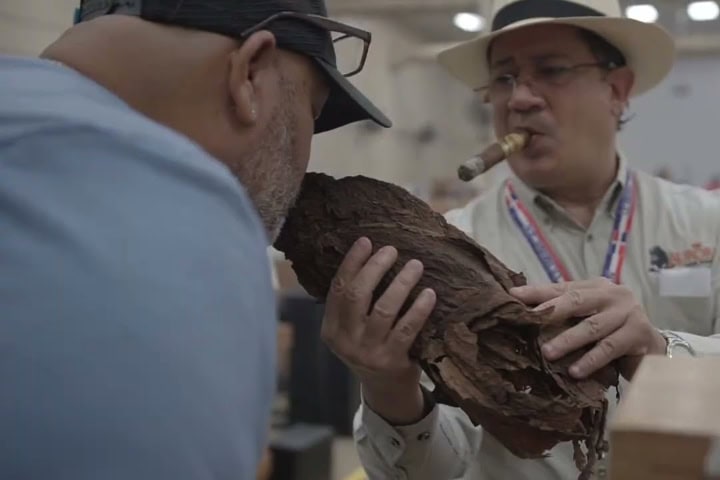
414, 265
576, 371
387, 251
362, 241
540, 308
428, 295
548, 351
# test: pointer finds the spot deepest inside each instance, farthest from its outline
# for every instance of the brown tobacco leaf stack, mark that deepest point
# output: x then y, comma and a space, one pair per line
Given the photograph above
481, 346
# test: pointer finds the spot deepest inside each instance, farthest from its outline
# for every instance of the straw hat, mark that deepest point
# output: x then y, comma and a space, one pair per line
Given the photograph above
648, 48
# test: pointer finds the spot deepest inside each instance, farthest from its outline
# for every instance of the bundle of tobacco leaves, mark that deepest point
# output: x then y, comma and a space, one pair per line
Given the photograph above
481, 346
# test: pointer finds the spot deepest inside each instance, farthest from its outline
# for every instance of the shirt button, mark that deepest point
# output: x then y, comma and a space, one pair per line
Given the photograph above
424, 436
590, 237
394, 442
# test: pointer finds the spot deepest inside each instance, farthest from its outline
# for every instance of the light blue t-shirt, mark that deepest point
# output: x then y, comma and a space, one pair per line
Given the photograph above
137, 317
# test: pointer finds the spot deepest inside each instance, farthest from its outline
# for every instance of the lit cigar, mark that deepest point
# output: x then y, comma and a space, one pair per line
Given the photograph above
491, 156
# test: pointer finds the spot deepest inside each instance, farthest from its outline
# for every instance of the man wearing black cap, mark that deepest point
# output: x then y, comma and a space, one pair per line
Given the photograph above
141, 158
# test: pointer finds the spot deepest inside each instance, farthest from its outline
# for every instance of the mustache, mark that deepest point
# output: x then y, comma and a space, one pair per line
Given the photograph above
530, 130
532, 126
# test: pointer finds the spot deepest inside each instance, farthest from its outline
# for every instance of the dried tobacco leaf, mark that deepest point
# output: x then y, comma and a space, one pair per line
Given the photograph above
481, 346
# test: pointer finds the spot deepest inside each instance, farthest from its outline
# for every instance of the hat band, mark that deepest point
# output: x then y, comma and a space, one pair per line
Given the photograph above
526, 9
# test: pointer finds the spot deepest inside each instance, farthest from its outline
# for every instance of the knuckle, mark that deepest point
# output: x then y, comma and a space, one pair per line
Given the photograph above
407, 279
405, 332
608, 347
383, 312
565, 341
575, 297
375, 261
594, 358
594, 326
354, 293
381, 260
407, 329
337, 286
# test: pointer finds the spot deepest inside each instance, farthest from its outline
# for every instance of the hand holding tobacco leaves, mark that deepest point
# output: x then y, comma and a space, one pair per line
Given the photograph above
481, 346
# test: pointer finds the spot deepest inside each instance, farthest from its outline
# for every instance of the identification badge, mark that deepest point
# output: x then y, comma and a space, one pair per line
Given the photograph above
689, 282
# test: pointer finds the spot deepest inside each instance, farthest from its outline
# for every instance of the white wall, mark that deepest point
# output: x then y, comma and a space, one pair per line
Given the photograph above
678, 124
359, 148
28, 26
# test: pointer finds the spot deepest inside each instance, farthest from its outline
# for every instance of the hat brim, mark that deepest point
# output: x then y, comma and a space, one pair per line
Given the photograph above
648, 48
345, 104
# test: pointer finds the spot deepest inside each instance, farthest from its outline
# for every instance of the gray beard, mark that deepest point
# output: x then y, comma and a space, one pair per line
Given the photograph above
271, 176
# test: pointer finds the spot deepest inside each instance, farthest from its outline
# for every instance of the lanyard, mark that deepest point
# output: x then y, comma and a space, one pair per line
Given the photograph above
551, 263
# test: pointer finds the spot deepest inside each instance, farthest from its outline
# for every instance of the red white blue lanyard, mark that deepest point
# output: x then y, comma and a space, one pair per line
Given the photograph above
551, 263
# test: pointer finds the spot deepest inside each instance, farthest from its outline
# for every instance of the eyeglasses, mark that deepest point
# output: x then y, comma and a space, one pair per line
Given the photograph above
541, 77
351, 44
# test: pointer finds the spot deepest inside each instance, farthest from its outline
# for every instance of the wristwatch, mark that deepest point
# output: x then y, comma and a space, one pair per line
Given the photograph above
676, 345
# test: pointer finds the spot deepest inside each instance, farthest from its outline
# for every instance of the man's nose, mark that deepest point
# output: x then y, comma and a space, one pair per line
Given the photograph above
523, 98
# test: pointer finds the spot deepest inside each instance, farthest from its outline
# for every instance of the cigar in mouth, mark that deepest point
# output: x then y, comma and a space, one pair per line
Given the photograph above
492, 155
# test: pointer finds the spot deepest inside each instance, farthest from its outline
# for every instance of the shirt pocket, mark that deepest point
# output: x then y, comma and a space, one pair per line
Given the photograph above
691, 314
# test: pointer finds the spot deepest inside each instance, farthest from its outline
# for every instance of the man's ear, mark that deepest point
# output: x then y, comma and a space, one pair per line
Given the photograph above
251, 66
621, 82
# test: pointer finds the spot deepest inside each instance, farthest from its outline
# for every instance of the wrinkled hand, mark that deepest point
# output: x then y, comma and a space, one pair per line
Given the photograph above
370, 339
616, 321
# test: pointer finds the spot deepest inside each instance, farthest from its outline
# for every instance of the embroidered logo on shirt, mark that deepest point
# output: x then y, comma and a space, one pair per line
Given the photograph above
697, 254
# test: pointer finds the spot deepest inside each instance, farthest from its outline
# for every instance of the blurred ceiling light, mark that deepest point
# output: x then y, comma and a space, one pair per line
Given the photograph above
642, 13
703, 11
469, 22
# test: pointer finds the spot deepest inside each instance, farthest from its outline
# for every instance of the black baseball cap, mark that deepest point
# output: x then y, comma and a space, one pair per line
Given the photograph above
301, 26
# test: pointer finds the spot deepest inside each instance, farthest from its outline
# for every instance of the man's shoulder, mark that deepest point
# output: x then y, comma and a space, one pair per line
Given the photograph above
55, 113
42, 99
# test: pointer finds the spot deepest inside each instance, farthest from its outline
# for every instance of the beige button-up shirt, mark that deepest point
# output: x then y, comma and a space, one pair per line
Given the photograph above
672, 265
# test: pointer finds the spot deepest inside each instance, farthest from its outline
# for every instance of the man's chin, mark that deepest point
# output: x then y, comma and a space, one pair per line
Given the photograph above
536, 167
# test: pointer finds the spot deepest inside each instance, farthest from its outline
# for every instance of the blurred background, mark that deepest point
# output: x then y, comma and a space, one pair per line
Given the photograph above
438, 124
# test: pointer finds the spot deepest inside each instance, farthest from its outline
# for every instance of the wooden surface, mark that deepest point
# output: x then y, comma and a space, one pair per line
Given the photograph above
666, 424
